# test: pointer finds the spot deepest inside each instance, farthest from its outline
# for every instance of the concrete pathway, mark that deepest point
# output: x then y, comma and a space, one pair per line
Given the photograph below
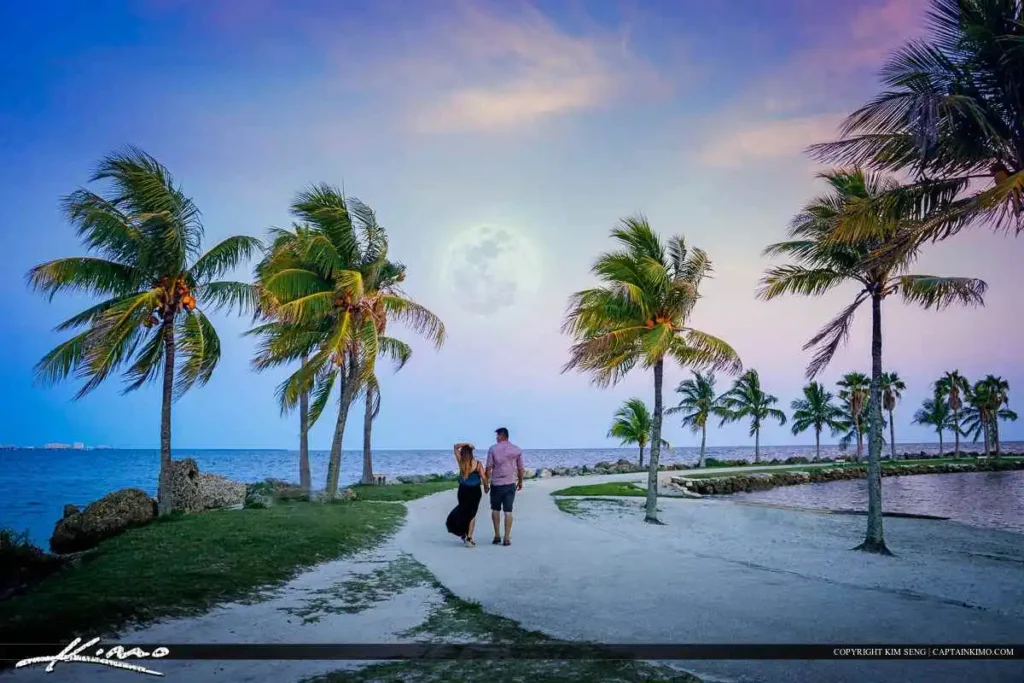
719, 572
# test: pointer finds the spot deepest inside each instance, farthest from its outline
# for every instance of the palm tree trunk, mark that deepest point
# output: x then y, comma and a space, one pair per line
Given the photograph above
995, 434
651, 511
334, 463
368, 439
860, 445
305, 481
641, 456
941, 450
757, 445
703, 442
892, 437
163, 491
817, 443
874, 540
956, 433
986, 428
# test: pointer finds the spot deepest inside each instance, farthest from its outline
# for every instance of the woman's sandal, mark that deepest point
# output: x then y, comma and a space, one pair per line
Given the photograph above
506, 542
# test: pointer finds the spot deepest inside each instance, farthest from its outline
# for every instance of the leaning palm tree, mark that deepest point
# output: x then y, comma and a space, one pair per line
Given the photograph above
746, 400
950, 114
822, 263
633, 425
326, 292
639, 315
145, 234
952, 387
935, 412
816, 410
892, 390
854, 390
698, 402
279, 337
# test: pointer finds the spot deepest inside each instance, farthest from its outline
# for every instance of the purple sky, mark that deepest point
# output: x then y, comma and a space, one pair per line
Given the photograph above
530, 129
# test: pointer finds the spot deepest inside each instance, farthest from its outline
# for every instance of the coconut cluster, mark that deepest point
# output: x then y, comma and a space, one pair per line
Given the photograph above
176, 297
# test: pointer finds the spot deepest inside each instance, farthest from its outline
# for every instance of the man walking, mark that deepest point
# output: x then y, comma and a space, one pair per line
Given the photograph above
505, 475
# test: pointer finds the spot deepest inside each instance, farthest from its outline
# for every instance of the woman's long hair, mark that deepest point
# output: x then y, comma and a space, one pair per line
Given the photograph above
465, 460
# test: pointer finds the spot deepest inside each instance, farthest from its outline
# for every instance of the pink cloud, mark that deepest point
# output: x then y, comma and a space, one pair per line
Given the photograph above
490, 67
765, 141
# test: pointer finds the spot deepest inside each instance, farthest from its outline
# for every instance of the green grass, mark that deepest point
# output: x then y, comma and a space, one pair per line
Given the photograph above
188, 563
611, 488
400, 493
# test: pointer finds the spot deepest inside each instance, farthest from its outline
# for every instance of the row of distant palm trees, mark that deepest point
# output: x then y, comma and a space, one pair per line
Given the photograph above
949, 119
324, 294
957, 406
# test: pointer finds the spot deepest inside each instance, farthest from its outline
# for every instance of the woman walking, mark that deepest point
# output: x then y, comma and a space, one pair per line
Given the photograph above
462, 520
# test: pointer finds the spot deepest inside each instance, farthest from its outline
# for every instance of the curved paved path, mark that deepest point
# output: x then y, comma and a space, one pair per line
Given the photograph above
719, 572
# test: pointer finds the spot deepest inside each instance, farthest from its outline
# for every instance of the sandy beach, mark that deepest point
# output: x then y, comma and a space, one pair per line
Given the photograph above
716, 572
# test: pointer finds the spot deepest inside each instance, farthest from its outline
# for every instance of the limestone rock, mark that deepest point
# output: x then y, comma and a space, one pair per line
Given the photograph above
216, 491
183, 484
348, 495
544, 474
107, 517
529, 473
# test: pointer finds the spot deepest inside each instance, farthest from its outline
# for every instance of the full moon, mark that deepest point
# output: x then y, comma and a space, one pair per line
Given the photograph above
490, 269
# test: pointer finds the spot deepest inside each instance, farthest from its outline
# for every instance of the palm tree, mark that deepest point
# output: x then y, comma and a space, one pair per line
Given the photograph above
935, 412
746, 400
698, 402
816, 410
633, 424
985, 408
147, 266
278, 337
952, 387
892, 390
1001, 394
855, 388
326, 292
639, 314
951, 114
823, 263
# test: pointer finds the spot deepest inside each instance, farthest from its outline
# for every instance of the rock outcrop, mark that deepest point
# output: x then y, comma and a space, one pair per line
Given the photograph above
183, 485
759, 481
216, 491
107, 517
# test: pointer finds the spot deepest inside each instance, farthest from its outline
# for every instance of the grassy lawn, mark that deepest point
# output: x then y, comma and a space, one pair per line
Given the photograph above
611, 488
188, 563
400, 493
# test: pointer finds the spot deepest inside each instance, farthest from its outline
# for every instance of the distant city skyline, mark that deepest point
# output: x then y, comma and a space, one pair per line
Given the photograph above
499, 146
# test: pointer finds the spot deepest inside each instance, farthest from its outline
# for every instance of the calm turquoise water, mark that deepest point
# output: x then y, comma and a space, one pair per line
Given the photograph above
36, 484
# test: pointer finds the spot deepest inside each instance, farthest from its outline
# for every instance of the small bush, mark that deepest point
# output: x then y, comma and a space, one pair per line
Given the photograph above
22, 563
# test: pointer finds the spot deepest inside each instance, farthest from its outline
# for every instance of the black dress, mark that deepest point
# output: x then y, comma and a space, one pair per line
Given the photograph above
469, 495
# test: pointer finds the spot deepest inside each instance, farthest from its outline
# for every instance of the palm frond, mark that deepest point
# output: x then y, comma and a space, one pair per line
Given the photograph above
199, 346
939, 292
223, 257
831, 337
95, 276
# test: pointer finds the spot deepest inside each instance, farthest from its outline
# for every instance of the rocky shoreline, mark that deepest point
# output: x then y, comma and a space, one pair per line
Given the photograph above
759, 481
628, 467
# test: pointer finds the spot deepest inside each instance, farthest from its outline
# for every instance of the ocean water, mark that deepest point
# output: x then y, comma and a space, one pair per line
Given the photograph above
35, 484
993, 500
